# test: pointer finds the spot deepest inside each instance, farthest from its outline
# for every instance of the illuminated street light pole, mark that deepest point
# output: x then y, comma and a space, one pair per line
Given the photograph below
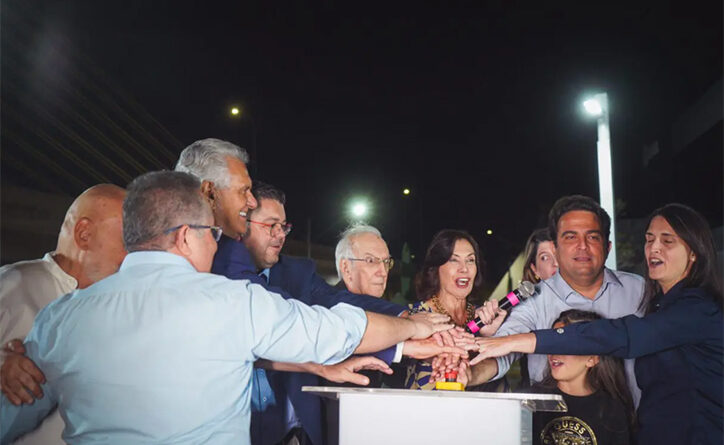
598, 107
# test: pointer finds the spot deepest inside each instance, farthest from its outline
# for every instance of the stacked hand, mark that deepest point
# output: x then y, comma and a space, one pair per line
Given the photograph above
454, 341
428, 323
20, 379
492, 317
449, 360
489, 347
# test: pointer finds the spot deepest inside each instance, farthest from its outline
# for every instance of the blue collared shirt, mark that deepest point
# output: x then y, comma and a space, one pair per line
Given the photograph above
620, 295
159, 353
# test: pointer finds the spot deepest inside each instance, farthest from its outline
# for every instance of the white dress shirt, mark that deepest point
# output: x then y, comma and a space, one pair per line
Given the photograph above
27, 287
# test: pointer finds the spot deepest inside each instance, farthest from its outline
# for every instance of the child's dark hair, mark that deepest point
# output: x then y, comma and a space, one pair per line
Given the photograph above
608, 375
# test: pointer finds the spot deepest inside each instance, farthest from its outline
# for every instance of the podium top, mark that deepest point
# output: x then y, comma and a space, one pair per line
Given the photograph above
534, 402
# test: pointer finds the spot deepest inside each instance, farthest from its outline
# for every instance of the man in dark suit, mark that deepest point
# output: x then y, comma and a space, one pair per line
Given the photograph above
281, 405
281, 409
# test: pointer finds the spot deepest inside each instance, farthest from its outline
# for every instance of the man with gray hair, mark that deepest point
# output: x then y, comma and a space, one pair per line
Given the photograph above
257, 259
225, 181
363, 260
161, 351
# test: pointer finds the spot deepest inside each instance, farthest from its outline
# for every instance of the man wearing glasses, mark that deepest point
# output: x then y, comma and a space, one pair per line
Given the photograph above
162, 351
279, 404
363, 260
226, 185
281, 409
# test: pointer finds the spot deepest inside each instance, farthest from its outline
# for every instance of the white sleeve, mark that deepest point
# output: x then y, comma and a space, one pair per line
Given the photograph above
398, 352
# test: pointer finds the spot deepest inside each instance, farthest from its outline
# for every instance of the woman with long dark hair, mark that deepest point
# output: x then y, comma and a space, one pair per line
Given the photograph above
451, 270
677, 344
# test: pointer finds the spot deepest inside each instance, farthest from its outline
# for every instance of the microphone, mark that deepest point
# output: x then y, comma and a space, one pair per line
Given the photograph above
526, 290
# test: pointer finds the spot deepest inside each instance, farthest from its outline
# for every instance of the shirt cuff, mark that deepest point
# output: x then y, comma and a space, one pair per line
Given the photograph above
502, 368
551, 341
398, 352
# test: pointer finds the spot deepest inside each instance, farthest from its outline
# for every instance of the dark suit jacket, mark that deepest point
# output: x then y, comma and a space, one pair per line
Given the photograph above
298, 279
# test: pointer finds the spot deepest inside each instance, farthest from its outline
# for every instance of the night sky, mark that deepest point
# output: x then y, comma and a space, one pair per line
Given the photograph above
475, 108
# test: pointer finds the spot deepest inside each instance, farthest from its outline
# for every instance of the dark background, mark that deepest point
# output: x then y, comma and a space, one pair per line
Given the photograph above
473, 106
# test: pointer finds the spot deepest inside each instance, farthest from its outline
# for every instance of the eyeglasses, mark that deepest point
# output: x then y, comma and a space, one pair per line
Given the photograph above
276, 228
374, 261
215, 230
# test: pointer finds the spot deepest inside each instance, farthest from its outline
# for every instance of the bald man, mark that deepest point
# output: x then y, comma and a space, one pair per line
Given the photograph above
90, 247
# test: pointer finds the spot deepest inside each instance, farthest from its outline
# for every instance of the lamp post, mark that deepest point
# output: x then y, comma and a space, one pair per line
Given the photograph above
597, 106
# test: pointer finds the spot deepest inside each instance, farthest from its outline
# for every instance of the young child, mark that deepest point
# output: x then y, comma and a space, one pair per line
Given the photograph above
600, 408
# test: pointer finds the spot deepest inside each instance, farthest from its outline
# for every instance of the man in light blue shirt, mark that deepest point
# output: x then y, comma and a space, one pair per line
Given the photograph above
580, 229
162, 351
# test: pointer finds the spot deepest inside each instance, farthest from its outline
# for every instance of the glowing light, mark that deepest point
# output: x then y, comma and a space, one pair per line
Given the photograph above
406, 191
359, 209
235, 111
593, 107
489, 232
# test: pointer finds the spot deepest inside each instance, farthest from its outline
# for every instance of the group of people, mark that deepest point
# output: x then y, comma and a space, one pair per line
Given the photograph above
167, 314
585, 318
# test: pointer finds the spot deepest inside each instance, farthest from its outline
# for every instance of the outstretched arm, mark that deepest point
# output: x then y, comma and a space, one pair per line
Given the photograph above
691, 319
500, 346
343, 372
384, 331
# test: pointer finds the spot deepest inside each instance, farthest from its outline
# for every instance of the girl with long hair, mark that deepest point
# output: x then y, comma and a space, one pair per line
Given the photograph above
600, 407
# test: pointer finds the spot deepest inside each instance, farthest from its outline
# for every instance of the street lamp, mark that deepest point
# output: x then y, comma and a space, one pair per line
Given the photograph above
406, 191
235, 112
597, 106
359, 209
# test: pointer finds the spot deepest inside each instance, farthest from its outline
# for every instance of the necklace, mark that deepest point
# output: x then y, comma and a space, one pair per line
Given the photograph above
470, 309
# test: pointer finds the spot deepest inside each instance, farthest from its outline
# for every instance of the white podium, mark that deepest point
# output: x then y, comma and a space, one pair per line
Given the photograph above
401, 416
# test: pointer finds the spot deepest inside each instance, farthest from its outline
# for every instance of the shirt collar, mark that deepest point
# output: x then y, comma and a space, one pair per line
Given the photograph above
563, 290
154, 257
265, 272
58, 272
